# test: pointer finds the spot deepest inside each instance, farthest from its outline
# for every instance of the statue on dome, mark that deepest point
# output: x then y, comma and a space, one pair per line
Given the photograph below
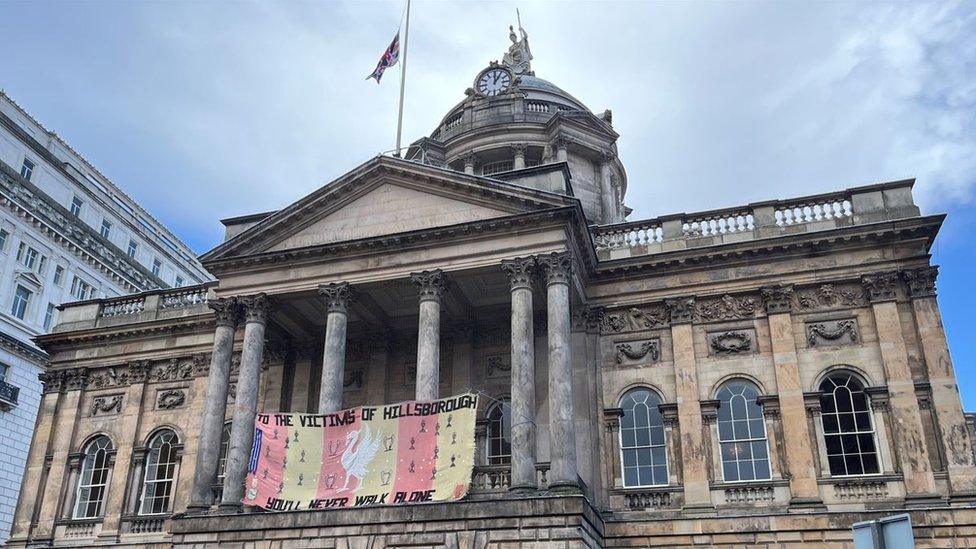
519, 55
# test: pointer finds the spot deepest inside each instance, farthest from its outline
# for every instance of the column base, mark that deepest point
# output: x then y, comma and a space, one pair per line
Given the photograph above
564, 487
197, 509
523, 489
807, 505
961, 496
925, 500
230, 508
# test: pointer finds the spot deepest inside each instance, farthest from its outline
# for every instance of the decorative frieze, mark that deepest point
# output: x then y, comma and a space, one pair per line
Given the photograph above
122, 375
634, 319
106, 405
588, 319
830, 296
833, 332
731, 342
881, 286
921, 281
637, 352
726, 307
169, 399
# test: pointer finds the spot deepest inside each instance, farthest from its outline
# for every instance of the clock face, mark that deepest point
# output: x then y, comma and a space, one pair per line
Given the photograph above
494, 82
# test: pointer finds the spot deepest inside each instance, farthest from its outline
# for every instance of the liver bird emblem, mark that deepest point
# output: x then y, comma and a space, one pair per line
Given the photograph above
360, 449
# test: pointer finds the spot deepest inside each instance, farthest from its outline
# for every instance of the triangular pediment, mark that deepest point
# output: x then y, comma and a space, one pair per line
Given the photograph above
386, 197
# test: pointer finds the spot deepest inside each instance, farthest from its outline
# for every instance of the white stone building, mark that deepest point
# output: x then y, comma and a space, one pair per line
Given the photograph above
67, 233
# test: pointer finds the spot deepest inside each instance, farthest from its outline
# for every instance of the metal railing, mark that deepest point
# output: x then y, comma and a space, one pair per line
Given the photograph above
8, 395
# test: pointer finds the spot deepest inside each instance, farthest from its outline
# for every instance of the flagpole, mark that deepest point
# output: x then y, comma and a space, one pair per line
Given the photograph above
403, 79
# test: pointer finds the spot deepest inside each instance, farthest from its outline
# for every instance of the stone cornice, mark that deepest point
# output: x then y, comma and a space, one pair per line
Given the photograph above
26, 200
21, 349
203, 323
764, 249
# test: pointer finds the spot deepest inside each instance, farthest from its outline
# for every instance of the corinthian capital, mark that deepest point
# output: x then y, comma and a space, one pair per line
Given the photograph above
921, 281
256, 307
881, 286
556, 267
337, 296
778, 299
520, 271
430, 284
681, 310
226, 310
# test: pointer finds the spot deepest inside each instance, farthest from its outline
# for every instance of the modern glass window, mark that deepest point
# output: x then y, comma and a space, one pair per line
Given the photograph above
27, 169
22, 297
93, 480
156, 267
848, 426
49, 316
157, 488
76, 204
4, 236
58, 275
499, 416
742, 432
642, 442
133, 247
106, 229
224, 448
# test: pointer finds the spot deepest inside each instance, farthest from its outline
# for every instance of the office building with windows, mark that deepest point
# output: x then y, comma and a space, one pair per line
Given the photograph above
67, 234
762, 375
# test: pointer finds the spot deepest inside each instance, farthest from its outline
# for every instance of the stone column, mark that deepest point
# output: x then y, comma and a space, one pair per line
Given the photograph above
778, 301
226, 312
520, 272
256, 310
469, 162
694, 447
560, 145
337, 299
908, 435
431, 285
519, 150
949, 414
607, 193
563, 472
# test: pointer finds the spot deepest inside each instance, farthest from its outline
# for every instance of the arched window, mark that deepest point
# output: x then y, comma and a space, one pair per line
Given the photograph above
742, 432
848, 428
224, 448
642, 446
499, 416
157, 488
93, 480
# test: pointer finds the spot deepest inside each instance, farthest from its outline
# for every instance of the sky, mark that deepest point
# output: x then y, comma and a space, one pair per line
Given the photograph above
206, 110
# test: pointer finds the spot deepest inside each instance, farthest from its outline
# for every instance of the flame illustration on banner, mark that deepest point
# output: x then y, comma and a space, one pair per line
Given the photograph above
410, 452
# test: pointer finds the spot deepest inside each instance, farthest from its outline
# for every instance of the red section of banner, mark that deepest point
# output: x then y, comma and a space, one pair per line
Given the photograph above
415, 451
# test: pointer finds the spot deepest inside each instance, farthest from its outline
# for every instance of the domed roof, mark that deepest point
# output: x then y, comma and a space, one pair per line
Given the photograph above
539, 88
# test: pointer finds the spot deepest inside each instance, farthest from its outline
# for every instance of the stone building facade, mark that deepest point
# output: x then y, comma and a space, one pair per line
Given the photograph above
759, 375
67, 233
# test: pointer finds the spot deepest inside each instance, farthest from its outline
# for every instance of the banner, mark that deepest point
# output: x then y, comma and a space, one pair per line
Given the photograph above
410, 452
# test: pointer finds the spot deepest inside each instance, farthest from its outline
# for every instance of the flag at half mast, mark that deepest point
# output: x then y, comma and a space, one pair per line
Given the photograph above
389, 58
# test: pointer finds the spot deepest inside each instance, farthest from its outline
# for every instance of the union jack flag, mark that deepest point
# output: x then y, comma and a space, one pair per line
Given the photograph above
389, 58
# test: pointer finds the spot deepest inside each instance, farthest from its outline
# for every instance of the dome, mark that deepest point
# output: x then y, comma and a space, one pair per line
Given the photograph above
544, 90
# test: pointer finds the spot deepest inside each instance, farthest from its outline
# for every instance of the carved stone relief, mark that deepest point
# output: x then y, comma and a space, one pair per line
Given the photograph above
643, 351
833, 332
353, 380
726, 307
731, 342
108, 405
498, 366
634, 319
169, 399
829, 296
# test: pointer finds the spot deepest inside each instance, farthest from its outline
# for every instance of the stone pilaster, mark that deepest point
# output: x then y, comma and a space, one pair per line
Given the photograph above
66, 419
35, 476
520, 273
563, 472
431, 286
694, 446
800, 462
947, 405
909, 438
227, 314
256, 310
337, 299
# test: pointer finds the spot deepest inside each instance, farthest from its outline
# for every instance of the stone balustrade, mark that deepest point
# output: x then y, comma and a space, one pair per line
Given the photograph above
151, 524
157, 304
495, 479
856, 206
649, 499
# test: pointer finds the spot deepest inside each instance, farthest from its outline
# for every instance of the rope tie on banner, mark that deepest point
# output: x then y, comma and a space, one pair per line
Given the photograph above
511, 411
